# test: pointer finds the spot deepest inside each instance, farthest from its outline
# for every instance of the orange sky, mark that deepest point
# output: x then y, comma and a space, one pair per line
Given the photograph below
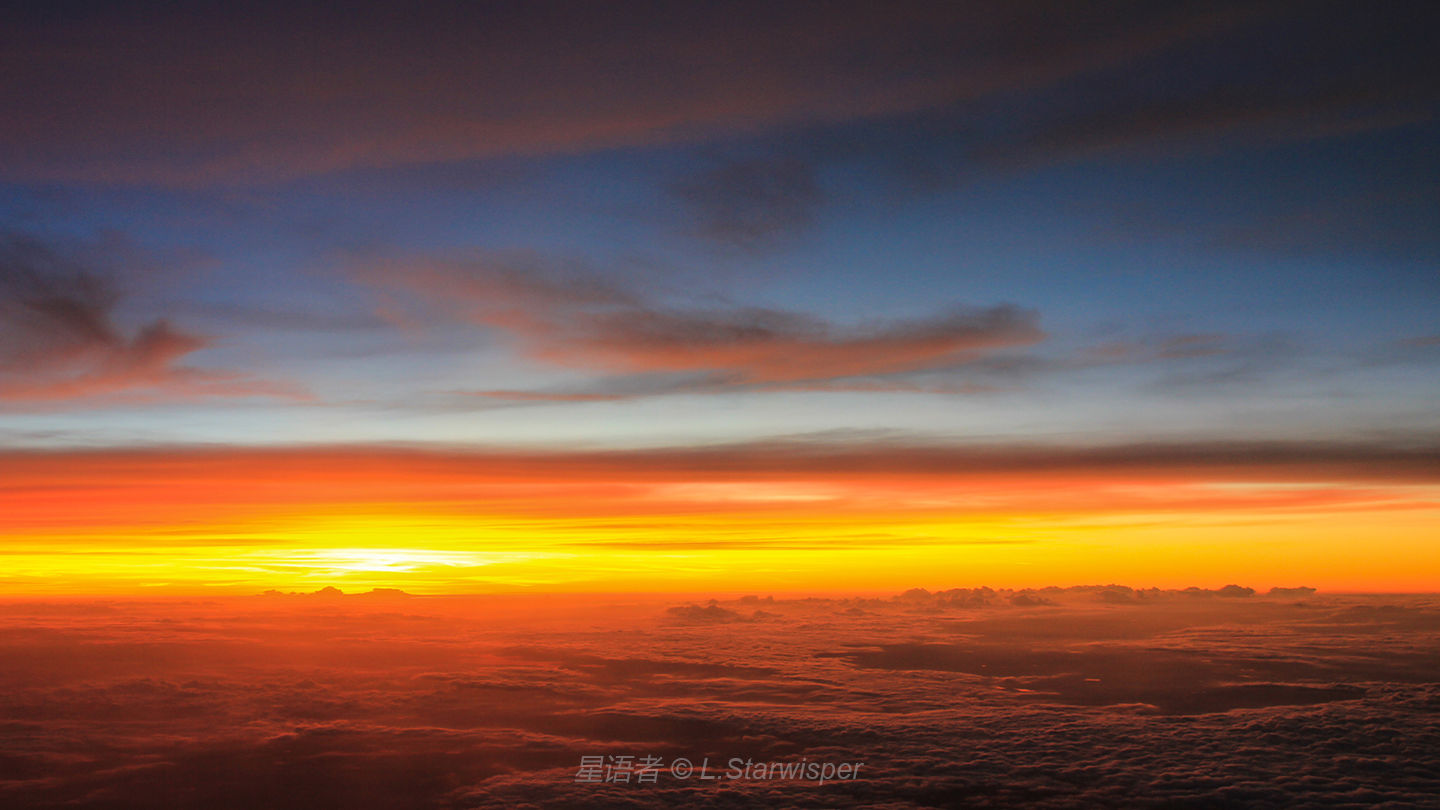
759, 517
717, 297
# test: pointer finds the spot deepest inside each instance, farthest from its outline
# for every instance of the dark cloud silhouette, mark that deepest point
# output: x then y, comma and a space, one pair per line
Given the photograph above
332, 592
1230, 79
751, 203
1253, 110
1392, 218
709, 614
1300, 591
1270, 73
1382, 461
61, 341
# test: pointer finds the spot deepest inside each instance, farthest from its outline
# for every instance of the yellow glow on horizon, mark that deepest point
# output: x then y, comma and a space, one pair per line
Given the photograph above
431, 524
793, 552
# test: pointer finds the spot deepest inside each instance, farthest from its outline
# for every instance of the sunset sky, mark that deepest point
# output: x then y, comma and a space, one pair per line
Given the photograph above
723, 297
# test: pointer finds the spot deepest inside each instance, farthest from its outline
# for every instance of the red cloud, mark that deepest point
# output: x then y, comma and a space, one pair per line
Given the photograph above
578, 320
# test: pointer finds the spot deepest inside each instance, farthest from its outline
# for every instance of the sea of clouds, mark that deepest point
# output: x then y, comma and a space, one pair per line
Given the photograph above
1080, 697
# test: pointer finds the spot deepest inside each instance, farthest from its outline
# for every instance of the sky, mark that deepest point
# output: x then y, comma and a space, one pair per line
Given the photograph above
501, 296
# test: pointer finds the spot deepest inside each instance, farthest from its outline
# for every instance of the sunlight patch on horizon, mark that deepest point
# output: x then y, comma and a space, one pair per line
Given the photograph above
385, 560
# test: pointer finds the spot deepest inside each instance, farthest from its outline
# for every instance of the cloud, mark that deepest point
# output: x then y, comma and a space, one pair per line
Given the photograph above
1422, 342
709, 614
752, 203
773, 461
483, 702
61, 342
1185, 364
1173, 682
824, 495
1393, 219
331, 592
1255, 112
1190, 81
568, 316
629, 387
985, 597
1259, 79
1163, 347
545, 396
770, 346
280, 91
1292, 592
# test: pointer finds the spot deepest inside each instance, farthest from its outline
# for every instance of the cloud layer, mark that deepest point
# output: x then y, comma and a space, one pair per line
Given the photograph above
1175, 699
125, 96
